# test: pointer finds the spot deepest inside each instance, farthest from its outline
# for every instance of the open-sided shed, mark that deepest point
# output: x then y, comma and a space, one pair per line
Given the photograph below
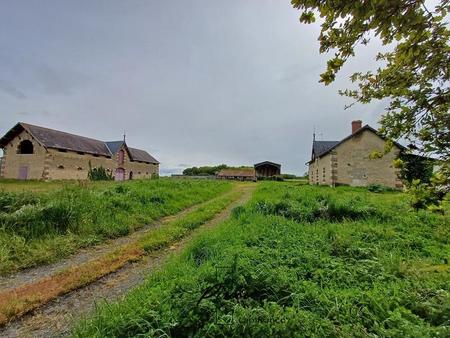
267, 169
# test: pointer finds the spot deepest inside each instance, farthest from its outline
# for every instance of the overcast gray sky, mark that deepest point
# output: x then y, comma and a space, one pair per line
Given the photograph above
192, 82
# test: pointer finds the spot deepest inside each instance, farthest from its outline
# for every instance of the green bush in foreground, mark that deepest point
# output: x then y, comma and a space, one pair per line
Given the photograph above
269, 274
99, 174
38, 228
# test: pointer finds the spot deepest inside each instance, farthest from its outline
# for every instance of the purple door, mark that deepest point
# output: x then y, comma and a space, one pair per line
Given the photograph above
120, 174
23, 173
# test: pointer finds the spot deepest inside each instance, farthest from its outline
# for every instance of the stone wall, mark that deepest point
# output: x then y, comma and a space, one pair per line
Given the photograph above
12, 161
73, 165
54, 164
350, 164
320, 171
356, 168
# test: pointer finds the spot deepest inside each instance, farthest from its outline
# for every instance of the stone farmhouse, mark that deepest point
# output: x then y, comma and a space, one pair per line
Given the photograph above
33, 152
348, 162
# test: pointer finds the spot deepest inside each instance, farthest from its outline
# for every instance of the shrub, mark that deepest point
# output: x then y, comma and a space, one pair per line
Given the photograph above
99, 174
378, 188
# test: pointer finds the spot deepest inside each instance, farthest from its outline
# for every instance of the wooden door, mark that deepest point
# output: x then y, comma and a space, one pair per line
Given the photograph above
120, 174
23, 173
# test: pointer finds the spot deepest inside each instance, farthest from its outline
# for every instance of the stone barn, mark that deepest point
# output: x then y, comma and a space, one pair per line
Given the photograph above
348, 162
33, 152
267, 169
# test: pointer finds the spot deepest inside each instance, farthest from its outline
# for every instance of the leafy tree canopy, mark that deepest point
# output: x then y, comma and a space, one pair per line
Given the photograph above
207, 170
204, 170
413, 74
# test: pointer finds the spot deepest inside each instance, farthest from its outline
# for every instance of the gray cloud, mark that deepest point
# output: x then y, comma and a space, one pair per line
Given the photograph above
231, 82
9, 89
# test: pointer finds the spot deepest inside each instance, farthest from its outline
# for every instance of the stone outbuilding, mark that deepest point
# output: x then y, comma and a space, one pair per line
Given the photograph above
348, 162
33, 152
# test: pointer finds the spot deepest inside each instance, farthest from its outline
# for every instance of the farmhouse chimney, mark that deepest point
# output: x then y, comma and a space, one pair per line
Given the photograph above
357, 124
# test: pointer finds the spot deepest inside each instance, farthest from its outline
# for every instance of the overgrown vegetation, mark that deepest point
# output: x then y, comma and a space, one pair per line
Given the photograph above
285, 265
207, 170
411, 75
98, 174
37, 228
14, 302
204, 170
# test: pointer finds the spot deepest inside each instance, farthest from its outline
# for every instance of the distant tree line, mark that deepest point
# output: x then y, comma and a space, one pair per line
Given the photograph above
207, 170
204, 170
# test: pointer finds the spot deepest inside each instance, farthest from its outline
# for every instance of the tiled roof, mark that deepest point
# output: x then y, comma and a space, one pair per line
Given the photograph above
141, 155
237, 172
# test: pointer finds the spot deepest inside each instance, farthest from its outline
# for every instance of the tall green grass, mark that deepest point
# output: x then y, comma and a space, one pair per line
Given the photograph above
38, 228
298, 261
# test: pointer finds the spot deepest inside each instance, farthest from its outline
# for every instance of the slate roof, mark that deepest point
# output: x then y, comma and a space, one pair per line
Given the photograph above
237, 172
51, 138
56, 139
320, 147
114, 146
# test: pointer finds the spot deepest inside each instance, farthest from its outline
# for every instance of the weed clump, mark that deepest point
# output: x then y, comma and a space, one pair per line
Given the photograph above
309, 262
318, 208
81, 216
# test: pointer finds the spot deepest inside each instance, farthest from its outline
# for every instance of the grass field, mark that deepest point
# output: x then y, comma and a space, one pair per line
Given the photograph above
20, 300
46, 223
12, 185
299, 261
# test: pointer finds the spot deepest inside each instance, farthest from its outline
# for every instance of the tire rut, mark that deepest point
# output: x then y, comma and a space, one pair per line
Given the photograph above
86, 254
55, 318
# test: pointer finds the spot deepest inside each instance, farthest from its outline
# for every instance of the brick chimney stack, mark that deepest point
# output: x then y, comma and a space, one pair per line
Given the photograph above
357, 124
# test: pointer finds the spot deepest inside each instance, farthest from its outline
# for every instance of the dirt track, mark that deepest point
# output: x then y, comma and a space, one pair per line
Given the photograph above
55, 318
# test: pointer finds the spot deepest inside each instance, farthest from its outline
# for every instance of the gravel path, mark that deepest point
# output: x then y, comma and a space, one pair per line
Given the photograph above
55, 318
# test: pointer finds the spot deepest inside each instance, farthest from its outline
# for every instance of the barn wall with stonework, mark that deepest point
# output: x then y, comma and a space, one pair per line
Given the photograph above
350, 163
72, 165
12, 161
142, 170
320, 171
356, 168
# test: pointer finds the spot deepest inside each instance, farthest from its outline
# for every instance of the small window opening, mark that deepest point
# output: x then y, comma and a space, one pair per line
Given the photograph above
60, 166
25, 147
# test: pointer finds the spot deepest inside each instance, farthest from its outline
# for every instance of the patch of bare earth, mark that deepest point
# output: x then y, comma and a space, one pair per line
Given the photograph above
55, 318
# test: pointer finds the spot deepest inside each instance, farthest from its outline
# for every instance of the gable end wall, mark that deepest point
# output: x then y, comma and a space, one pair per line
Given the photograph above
13, 161
349, 163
